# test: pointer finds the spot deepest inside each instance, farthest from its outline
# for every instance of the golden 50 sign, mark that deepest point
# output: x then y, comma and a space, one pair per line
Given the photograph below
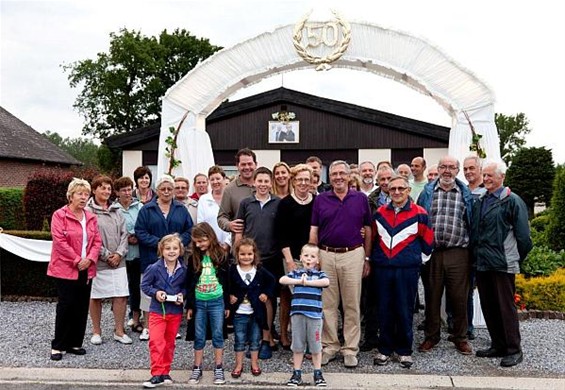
321, 43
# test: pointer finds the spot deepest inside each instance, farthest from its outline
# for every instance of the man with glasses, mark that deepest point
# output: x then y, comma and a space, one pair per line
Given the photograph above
403, 242
448, 202
338, 216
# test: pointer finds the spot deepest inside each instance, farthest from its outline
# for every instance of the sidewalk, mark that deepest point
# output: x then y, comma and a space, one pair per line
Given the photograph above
107, 378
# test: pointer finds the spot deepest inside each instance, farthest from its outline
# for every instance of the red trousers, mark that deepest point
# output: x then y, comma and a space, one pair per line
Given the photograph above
162, 333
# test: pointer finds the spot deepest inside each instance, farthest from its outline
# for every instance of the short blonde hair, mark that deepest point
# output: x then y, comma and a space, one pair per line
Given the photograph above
75, 185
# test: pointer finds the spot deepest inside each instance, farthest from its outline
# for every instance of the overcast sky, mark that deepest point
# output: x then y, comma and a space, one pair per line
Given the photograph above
517, 48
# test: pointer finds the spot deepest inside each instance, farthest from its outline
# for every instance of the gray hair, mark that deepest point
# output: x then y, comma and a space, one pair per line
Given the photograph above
400, 177
367, 162
340, 162
384, 169
499, 166
441, 160
473, 157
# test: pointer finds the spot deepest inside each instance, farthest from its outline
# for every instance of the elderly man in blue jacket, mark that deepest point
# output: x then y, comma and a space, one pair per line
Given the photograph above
500, 241
449, 203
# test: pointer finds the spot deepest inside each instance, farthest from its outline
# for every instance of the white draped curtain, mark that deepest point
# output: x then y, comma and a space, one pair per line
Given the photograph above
387, 53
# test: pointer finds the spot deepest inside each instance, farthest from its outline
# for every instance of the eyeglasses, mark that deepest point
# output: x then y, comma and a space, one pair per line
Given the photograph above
301, 180
449, 167
165, 189
397, 189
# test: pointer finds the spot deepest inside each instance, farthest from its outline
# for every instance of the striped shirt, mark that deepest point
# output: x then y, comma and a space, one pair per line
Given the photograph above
307, 300
448, 218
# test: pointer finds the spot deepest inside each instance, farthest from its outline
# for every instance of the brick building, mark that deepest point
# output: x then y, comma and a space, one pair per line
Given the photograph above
23, 151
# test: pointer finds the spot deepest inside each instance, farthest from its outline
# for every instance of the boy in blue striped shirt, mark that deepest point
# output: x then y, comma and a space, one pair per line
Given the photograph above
306, 313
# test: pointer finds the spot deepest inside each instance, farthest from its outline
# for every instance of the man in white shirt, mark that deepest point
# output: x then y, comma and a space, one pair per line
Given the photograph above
367, 171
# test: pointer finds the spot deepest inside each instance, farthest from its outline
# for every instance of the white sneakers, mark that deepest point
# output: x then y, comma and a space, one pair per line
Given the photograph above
96, 339
144, 336
124, 339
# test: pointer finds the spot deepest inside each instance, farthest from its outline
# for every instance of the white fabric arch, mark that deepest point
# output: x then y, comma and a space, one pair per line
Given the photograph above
388, 53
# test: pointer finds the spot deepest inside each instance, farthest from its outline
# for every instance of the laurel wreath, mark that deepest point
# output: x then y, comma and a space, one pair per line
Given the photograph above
321, 62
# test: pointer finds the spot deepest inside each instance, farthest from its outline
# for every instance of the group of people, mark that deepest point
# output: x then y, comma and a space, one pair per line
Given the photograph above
229, 253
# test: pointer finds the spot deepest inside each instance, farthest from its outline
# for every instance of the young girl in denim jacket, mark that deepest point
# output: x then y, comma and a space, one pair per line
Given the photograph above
164, 281
207, 300
250, 287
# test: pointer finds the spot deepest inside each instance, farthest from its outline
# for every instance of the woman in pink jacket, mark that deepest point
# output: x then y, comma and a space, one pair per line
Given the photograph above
76, 245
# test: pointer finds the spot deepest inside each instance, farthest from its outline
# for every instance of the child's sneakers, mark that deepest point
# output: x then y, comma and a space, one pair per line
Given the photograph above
219, 378
196, 375
155, 381
319, 380
296, 379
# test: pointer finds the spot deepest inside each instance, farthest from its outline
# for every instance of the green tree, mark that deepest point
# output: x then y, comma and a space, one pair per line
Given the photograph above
121, 89
531, 176
511, 129
556, 225
84, 150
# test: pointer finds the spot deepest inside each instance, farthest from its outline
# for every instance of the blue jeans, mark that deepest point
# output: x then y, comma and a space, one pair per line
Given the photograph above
246, 330
209, 312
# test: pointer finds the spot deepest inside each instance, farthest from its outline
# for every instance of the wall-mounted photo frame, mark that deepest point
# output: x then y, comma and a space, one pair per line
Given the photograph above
284, 132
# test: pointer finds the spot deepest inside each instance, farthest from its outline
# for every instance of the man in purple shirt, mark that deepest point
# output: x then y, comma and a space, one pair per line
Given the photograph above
338, 217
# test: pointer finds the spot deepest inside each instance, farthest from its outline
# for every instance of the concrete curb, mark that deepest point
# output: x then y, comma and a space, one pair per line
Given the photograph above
109, 378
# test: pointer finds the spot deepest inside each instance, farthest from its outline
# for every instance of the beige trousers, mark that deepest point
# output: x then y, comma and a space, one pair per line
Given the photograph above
345, 271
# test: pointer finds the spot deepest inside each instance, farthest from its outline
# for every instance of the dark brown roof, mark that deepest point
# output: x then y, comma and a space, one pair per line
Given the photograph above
20, 141
286, 96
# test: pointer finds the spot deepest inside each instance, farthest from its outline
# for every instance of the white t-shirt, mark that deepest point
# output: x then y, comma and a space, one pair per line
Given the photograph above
84, 235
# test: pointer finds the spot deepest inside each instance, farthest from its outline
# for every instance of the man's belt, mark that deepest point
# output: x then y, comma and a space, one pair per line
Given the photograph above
339, 250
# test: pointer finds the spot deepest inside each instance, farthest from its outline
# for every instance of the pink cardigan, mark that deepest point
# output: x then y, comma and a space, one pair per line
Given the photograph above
66, 232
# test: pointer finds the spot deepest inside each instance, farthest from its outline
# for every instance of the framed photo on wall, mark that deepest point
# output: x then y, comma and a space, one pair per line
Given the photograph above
284, 132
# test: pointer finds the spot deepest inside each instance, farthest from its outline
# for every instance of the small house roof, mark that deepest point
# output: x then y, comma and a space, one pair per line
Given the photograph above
20, 141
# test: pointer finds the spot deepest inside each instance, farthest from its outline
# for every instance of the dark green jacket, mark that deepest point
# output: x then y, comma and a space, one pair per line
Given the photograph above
500, 237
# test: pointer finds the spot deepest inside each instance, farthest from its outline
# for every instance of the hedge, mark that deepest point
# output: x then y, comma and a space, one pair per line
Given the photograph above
24, 277
543, 292
46, 192
12, 214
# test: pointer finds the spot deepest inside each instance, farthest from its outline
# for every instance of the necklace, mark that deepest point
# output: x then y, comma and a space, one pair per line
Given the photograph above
302, 200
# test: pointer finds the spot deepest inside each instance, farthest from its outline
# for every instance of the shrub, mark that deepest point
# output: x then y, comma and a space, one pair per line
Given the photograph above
12, 208
542, 261
540, 222
23, 277
538, 230
46, 192
556, 225
543, 293
32, 234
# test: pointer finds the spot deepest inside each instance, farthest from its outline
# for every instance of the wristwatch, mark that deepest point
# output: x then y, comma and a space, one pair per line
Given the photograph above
367, 258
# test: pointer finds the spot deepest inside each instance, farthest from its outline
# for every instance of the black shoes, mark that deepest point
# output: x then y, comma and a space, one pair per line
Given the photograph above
512, 360
488, 353
77, 351
56, 356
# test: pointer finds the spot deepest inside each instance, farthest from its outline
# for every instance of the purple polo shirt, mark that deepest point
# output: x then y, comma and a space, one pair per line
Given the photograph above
339, 222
